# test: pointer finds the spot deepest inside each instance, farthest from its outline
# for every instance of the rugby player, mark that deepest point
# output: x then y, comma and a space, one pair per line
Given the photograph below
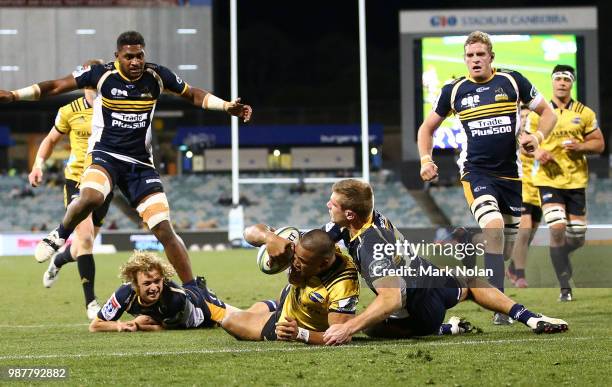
531, 215
407, 303
323, 290
120, 144
562, 173
74, 120
156, 301
487, 103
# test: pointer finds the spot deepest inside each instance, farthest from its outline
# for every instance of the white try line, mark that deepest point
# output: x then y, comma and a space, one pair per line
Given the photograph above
295, 349
9, 326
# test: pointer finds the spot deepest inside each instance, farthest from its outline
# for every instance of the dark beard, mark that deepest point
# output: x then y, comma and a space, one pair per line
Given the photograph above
295, 278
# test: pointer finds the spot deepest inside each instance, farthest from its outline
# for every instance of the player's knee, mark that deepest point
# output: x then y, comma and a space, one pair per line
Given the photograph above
486, 212
95, 187
511, 227
154, 210
85, 245
575, 232
555, 217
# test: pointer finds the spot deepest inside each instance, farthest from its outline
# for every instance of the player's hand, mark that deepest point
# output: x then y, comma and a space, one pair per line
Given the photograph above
35, 177
6, 96
337, 334
572, 145
279, 248
529, 142
235, 108
287, 330
429, 171
128, 326
543, 156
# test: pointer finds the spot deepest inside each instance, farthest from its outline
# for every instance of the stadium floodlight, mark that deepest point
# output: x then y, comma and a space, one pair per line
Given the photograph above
187, 31
187, 67
85, 31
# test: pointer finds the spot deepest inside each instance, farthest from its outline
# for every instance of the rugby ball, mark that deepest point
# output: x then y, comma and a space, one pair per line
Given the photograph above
264, 264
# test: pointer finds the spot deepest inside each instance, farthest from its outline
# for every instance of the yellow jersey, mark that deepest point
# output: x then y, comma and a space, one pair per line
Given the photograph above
531, 193
74, 119
569, 170
336, 290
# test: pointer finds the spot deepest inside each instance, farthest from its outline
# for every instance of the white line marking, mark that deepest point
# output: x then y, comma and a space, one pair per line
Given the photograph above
8, 326
287, 349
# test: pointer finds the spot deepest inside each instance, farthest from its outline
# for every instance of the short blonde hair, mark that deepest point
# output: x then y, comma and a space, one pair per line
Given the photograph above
357, 197
479, 37
144, 261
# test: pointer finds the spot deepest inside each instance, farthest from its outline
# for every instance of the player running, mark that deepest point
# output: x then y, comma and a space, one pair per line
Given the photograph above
562, 173
120, 144
531, 215
323, 290
487, 103
74, 120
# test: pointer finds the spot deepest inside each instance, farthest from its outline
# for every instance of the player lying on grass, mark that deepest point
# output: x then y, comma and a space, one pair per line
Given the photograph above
323, 290
156, 301
406, 304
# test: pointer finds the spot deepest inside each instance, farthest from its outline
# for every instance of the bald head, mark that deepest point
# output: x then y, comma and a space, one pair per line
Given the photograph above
319, 243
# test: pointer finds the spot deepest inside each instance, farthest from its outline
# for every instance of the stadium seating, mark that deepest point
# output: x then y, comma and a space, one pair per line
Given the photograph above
195, 198
452, 202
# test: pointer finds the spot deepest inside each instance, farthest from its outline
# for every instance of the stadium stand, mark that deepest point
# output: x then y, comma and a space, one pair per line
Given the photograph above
452, 202
197, 201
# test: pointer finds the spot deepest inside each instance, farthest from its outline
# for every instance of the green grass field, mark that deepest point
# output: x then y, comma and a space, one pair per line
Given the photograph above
48, 327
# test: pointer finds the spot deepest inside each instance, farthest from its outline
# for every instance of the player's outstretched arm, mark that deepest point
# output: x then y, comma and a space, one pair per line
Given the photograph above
261, 234
98, 325
40, 90
388, 300
209, 101
429, 170
44, 151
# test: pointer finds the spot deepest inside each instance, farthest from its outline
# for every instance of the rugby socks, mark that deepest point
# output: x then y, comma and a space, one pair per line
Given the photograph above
63, 232
571, 247
495, 262
190, 283
560, 261
87, 271
445, 329
522, 314
520, 273
63, 258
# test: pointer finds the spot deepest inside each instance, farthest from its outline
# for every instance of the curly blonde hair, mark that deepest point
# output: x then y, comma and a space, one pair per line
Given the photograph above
145, 261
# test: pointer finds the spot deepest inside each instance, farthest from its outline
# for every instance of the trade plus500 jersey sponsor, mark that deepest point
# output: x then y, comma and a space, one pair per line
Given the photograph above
490, 126
129, 120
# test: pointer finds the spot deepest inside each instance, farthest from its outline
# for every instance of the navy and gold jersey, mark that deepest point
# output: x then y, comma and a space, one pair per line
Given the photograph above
174, 309
334, 291
374, 260
489, 113
123, 109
